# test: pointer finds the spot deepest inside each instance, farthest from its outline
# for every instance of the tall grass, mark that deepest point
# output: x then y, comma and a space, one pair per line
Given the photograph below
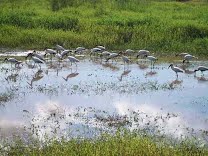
163, 27
107, 145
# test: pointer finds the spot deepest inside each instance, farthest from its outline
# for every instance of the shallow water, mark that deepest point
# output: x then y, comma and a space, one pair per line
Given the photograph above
96, 96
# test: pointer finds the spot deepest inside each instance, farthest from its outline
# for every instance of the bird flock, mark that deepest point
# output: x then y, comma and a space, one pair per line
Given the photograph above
60, 53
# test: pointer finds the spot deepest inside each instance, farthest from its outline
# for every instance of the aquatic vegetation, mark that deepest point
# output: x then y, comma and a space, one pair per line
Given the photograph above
5, 97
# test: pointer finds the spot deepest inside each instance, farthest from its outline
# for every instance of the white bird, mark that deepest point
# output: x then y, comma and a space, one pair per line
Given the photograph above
152, 59
59, 48
101, 47
35, 54
125, 59
79, 50
182, 54
95, 51
58, 56
201, 68
65, 53
188, 58
176, 69
112, 56
51, 52
13, 61
72, 59
129, 52
143, 53
37, 60
104, 54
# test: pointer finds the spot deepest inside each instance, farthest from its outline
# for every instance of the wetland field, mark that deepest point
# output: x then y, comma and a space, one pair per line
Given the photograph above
102, 104
114, 99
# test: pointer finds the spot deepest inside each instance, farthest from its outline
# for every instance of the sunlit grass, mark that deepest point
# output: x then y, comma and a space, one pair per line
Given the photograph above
119, 144
157, 26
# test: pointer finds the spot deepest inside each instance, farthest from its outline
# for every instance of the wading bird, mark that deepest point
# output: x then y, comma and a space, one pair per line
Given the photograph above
113, 56
79, 50
59, 48
51, 52
35, 54
182, 54
202, 69
72, 59
13, 61
143, 53
101, 47
95, 51
104, 54
37, 61
125, 60
152, 59
65, 53
188, 57
176, 69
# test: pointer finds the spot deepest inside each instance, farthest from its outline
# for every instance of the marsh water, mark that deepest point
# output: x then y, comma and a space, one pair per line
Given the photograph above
95, 96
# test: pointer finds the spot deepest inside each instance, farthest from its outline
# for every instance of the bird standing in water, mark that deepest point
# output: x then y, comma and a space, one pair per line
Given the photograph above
176, 69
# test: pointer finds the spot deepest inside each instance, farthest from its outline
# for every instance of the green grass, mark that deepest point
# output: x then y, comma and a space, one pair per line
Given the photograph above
107, 145
159, 26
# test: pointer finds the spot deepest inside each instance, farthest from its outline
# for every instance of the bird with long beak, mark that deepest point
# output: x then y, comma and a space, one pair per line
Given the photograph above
36, 55
72, 59
113, 56
143, 53
152, 59
59, 48
176, 69
182, 54
51, 52
188, 57
37, 61
13, 61
202, 69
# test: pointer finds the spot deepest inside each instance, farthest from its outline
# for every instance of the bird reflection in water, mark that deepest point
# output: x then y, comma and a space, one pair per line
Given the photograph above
142, 66
201, 78
71, 75
151, 73
110, 65
37, 76
175, 83
125, 73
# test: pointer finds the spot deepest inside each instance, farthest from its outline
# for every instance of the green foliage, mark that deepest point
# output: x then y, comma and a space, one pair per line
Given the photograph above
167, 26
122, 143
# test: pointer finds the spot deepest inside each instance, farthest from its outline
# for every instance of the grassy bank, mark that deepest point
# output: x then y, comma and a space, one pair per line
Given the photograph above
125, 144
168, 26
